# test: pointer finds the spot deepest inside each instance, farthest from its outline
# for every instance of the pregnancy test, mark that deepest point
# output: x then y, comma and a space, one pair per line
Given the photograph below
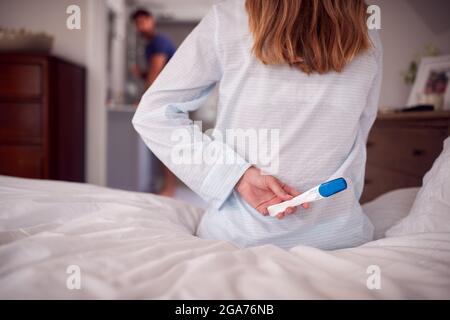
325, 190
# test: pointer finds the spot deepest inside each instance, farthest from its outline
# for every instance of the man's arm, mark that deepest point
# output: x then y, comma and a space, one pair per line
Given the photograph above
156, 63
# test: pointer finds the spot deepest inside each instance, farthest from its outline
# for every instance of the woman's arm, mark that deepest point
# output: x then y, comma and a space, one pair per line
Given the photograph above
163, 122
370, 112
162, 116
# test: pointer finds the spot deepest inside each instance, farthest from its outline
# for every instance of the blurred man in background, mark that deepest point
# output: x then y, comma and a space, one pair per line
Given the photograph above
158, 51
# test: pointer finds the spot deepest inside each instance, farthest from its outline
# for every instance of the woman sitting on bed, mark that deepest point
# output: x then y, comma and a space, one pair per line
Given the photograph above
308, 72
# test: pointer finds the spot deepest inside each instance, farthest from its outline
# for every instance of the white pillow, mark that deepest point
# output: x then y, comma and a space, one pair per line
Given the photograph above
388, 209
431, 209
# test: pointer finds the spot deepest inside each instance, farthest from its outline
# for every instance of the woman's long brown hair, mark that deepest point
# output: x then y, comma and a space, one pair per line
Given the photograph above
317, 36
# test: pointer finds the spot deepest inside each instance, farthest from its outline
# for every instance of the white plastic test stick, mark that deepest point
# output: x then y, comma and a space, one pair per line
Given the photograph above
325, 190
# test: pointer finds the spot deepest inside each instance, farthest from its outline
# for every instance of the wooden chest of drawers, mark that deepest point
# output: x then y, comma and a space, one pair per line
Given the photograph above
401, 148
41, 117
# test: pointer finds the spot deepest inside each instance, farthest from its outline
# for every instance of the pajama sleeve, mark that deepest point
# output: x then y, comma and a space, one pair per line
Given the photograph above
209, 166
370, 112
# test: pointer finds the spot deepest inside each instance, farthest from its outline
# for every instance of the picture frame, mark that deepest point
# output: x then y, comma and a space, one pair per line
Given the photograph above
432, 84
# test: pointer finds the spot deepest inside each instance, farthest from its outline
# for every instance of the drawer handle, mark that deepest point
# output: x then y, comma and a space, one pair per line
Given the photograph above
418, 152
370, 144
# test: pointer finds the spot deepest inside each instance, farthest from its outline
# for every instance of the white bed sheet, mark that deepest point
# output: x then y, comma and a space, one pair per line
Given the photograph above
131, 245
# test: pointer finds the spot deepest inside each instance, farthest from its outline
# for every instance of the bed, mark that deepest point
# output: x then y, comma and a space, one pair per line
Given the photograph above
130, 245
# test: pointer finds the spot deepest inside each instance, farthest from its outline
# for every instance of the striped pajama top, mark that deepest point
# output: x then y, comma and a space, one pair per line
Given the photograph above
320, 124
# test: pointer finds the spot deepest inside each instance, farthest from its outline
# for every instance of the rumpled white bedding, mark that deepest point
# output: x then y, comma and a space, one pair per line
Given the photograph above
131, 245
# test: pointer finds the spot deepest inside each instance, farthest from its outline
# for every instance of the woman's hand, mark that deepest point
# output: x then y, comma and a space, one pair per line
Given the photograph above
262, 191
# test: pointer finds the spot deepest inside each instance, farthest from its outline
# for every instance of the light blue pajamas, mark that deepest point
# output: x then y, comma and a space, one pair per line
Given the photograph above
322, 122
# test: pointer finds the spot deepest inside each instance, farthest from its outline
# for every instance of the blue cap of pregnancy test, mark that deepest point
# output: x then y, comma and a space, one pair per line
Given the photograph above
330, 188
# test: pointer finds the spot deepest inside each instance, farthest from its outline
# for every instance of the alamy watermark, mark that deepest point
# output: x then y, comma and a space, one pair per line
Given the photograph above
73, 21
374, 19
374, 280
73, 281
259, 147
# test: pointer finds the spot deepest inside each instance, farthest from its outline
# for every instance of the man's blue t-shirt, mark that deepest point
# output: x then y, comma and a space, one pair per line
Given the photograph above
160, 44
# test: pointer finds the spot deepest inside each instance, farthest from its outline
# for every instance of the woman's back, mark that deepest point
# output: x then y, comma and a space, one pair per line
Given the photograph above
317, 115
303, 129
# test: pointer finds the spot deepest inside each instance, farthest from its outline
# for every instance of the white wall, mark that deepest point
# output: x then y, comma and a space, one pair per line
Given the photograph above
404, 35
117, 74
96, 46
86, 47
183, 10
48, 16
